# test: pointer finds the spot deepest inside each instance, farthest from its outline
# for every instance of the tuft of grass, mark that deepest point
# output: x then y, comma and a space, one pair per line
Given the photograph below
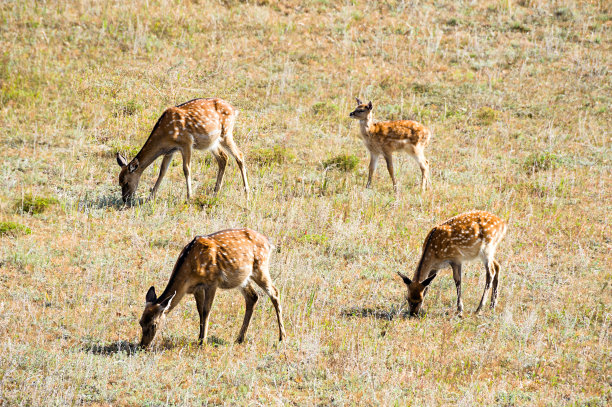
519, 27
13, 229
487, 116
34, 204
128, 108
324, 108
541, 162
274, 155
342, 162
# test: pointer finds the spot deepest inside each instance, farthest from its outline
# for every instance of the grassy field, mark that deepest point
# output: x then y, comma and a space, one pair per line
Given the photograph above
518, 96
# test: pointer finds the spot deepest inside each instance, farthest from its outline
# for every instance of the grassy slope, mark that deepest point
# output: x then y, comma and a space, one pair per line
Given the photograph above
80, 80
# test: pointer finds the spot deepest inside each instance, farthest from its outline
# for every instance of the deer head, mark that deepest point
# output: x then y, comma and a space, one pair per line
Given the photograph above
362, 110
153, 316
128, 177
416, 292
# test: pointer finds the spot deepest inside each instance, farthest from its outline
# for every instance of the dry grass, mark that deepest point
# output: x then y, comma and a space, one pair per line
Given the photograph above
501, 83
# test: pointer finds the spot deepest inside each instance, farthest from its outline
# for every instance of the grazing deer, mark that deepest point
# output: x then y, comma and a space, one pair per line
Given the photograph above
459, 239
203, 124
386, 137
233, 258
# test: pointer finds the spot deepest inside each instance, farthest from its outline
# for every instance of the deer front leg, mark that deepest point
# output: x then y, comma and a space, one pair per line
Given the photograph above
457, 278
424, 166
204, 299
373, 163
187, 168
250, 298
162, 172
389, 160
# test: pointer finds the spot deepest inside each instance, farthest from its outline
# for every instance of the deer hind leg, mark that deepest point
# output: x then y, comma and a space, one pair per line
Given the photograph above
489, 276
227, 141
457, 278
186, 151
263, 280
250, 298
373, 164
495, 281
204, 298
221, 158
419, 156
389, 160
162, 172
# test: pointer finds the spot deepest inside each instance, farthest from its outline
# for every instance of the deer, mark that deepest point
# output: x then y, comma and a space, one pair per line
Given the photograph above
384, 138
459, 239
227, 259
201, 124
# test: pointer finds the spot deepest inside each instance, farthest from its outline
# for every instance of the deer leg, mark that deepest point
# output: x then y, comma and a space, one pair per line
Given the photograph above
495, 281
389, 160
204, 298
457, 278
424, 165
162, 172
230, 146
221, 158
250, 297
373, 163
187, 168
483, 300
264, 282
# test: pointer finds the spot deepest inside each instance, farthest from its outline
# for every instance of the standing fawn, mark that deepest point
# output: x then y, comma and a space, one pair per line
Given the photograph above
386, 137
459, 239
233, 258
203, 124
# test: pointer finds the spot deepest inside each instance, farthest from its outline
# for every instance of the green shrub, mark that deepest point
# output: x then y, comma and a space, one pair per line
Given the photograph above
487, 116
541, 161
274, 155
343, 162
13, 229
34, 204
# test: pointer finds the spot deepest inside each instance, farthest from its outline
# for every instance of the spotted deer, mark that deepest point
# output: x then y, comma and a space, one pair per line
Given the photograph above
383, 138
203, 124
228, 259
459, 239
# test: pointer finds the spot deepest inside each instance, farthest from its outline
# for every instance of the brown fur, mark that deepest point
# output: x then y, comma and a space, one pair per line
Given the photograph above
384, 138
203, 124
228, 259
457, 240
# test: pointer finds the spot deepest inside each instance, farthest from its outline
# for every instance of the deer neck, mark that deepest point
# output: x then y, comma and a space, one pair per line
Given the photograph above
365, 125
147, 154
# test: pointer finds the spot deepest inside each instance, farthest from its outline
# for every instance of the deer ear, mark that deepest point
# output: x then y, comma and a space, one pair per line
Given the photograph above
151, 297
405, 278
133, 165
121, 160
370, 105
428, 280
358, 101
165, 304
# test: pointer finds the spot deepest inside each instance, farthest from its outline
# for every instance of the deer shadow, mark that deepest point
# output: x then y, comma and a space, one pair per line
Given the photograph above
112, 348
376, 313
108, 201
165, 344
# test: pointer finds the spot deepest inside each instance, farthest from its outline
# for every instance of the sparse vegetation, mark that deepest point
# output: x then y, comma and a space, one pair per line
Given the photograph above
80, 80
